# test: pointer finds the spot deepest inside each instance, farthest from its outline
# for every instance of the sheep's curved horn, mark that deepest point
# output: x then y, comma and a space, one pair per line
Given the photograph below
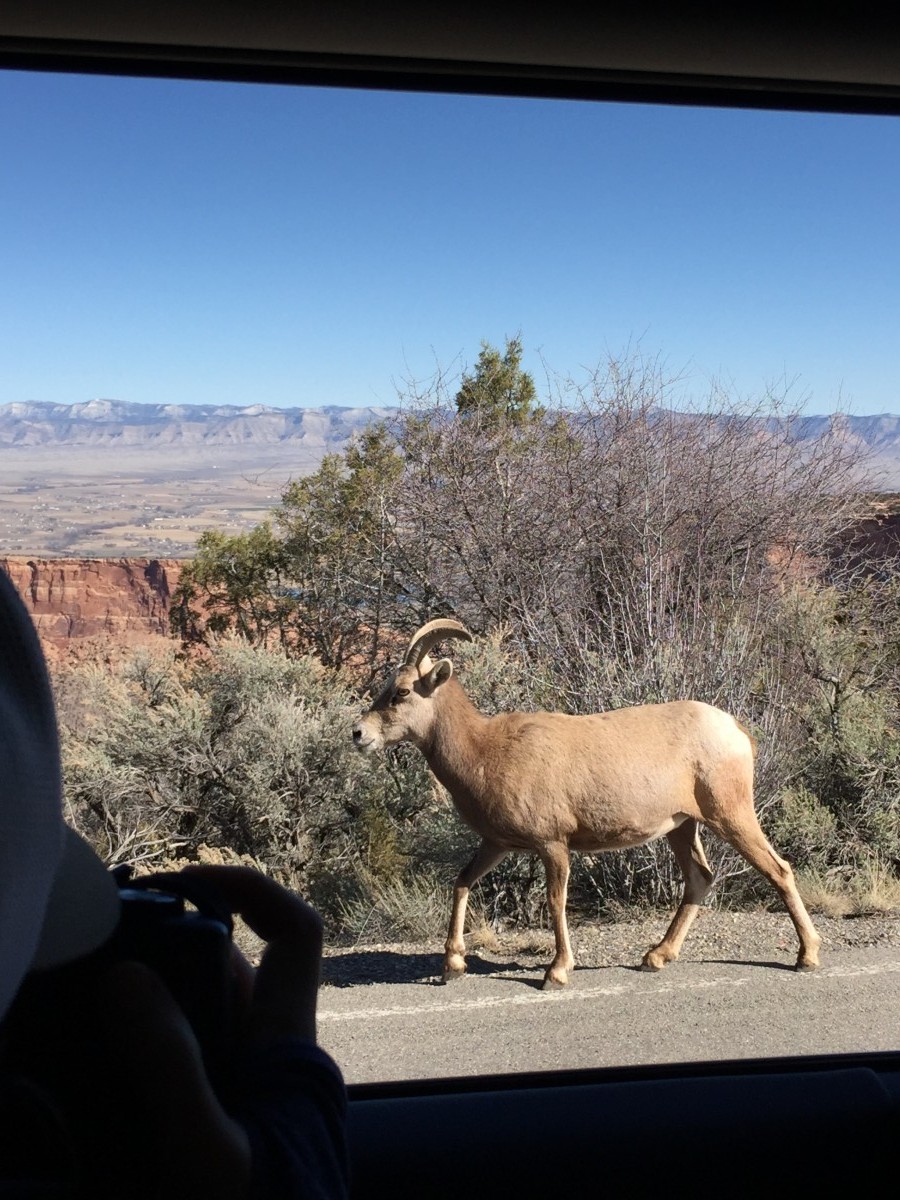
429, 635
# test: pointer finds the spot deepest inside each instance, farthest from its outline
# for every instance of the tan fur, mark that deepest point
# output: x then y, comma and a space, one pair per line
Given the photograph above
549, 783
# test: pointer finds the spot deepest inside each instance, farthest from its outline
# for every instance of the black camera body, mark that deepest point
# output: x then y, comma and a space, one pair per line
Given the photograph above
189, 948
172, 923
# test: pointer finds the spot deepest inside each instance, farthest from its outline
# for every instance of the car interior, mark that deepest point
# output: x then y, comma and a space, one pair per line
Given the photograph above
782, 1125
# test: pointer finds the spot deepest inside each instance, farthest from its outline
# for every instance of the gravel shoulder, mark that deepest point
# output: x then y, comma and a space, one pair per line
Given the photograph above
716, 935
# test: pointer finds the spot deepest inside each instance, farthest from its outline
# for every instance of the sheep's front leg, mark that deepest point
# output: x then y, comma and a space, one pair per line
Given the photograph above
555, 858
486, 856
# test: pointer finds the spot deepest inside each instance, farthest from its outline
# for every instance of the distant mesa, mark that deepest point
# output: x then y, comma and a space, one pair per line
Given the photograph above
106, 422
261, 434
107, 478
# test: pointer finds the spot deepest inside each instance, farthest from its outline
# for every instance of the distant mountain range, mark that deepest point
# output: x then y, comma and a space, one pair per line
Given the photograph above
110, 479
877, 437
256, 433
98, 423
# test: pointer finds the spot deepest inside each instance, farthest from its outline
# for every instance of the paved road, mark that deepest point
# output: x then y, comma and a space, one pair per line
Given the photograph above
612, 1016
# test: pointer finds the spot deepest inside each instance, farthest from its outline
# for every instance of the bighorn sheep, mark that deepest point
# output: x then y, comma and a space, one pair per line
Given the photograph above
550, 783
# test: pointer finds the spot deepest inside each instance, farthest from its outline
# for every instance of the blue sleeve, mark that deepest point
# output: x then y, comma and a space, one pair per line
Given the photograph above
292, 1103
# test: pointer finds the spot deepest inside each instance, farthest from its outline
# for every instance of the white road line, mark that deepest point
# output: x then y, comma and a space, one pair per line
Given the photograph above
875, 969
532, 997
590, 993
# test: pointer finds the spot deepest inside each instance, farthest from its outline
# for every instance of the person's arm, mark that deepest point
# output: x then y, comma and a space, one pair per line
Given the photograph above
279, 1130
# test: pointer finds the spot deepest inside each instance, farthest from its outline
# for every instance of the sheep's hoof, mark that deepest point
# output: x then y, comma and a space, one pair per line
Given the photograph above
452, 971
552, 984
653, 961
807, 966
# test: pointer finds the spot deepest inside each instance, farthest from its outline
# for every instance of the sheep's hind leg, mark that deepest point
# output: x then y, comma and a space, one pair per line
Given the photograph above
688, 851
486, 856
749, 840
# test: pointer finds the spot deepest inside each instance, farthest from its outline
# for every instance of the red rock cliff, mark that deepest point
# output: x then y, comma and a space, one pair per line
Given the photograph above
121, 600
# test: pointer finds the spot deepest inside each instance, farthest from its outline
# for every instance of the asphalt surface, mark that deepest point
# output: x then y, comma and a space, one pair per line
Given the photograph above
497, 1019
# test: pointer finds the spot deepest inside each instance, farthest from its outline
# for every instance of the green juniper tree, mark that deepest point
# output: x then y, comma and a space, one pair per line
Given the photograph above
234, 583
498, 390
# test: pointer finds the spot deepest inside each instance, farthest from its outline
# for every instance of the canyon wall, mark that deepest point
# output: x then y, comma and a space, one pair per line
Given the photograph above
79, 603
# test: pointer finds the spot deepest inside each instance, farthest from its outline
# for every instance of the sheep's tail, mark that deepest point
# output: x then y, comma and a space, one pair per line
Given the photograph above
750, 738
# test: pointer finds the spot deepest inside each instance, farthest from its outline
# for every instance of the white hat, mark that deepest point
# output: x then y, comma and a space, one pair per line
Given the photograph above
57, 900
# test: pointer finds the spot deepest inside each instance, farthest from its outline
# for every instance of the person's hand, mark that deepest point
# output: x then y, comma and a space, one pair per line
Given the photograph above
158, 1125
281, 997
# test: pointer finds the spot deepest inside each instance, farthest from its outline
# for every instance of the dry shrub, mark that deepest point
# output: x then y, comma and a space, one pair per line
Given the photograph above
244, 752
823, 894
411, 909
875, 889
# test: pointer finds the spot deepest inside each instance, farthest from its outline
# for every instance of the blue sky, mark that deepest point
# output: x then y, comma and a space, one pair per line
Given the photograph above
179, 242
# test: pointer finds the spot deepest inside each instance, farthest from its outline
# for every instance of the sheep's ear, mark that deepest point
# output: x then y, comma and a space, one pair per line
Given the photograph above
439, 673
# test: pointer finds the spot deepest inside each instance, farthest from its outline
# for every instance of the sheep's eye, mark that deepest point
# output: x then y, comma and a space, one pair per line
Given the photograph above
400, 694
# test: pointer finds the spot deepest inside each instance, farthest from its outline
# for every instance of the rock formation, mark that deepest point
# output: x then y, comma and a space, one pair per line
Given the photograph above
124, 601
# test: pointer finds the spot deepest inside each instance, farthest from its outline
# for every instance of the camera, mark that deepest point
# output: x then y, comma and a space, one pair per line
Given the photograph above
173, 923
